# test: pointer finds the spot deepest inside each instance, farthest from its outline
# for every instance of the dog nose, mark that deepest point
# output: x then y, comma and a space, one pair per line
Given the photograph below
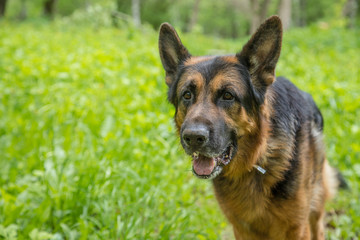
195, 136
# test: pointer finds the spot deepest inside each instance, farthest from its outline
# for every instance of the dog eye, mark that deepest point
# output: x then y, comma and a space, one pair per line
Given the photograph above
227, 96
187, 95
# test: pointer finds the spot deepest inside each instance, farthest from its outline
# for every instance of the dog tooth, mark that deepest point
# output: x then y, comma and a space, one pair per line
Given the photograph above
195, 155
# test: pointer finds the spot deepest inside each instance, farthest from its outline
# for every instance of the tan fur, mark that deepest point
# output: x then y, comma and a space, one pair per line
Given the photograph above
301, 217
249, 199
195, 60
297, 218
231, 59
230, 78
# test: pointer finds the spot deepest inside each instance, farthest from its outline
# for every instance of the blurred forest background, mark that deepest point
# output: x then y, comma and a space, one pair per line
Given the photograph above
227, 18
88, 148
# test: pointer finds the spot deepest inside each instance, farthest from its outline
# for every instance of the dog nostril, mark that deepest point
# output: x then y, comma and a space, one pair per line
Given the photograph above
187, 140
195, 137
200, 140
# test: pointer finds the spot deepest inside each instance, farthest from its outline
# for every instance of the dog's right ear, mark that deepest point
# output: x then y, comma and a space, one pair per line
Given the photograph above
172, 51
261, 53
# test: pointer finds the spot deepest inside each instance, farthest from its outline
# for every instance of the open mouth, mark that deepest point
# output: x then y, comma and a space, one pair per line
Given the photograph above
208, 167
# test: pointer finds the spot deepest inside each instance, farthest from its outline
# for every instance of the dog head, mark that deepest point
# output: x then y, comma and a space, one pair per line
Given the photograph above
218, 99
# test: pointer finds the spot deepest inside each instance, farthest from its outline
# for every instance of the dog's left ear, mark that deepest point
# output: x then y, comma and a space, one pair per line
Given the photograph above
261, 53
172, 51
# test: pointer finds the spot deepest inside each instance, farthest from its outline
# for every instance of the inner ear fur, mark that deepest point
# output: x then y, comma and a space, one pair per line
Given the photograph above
261, 53
172, 51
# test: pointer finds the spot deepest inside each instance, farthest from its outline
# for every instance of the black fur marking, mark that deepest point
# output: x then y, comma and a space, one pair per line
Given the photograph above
342, 183
252, 100
172, 88
294, 111
209, 69
316, 114
289, 185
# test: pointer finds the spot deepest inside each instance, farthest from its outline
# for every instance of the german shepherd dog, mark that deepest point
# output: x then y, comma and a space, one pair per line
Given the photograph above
257, 137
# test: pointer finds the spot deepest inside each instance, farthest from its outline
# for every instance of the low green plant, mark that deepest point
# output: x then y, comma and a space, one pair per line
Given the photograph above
88, 149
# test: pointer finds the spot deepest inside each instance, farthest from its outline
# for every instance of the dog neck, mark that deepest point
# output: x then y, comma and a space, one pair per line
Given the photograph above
252, 152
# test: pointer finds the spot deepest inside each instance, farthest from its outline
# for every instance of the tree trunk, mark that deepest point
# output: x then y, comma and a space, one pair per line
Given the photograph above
49, 8
298, 13
259, 9
255, 19
303, 13
285, 13
350, 11
233, 8
87, 4
194, 16
2, 7
135, 7
23, 10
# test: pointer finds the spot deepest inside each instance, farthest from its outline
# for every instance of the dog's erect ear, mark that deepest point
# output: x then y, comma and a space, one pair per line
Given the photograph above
172, 51
262, 51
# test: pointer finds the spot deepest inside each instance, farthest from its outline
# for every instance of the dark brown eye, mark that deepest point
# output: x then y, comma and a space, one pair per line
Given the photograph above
227, 96
187, 95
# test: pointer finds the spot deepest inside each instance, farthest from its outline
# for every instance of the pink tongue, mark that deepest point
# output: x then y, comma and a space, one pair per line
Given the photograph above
204, 165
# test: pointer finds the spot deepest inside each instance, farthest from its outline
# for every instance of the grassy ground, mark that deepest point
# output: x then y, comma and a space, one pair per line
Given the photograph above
88, 148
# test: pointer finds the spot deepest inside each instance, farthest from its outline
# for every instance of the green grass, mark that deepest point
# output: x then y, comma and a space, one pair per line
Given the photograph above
88, 149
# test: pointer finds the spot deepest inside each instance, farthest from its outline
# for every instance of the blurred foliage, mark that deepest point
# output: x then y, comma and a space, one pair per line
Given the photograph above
228, 18
87, 145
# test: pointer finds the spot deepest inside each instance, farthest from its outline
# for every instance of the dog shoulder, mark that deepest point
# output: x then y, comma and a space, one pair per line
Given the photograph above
292, 105
295, 114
